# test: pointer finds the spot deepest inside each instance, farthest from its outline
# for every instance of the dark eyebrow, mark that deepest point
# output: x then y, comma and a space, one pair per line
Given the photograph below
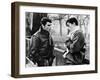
48, 25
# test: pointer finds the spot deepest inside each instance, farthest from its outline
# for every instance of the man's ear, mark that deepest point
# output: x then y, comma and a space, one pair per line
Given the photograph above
74, 23
42, 26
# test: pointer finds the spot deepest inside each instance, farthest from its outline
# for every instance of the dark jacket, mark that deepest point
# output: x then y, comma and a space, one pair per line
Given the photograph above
41, 46
76, 48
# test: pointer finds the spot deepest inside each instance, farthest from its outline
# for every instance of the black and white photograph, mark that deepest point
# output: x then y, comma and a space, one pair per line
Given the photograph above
57, 39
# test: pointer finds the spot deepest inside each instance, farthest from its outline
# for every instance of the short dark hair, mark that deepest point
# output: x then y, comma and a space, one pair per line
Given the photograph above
44, 20
72, 20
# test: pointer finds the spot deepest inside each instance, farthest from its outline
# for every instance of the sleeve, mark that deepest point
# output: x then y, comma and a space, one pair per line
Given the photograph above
34, 45
77, 42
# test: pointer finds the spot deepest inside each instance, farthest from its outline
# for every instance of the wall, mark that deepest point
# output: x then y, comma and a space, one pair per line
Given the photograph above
5, 40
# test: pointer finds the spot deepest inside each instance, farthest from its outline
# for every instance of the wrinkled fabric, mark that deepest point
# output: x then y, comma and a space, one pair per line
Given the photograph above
76, 48
41, 49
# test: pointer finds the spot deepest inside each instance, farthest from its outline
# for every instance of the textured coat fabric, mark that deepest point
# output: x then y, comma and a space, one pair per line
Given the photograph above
76, 48
41, 49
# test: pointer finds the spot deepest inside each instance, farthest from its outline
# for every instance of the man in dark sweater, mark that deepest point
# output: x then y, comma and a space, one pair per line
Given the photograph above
76, 51
41, 49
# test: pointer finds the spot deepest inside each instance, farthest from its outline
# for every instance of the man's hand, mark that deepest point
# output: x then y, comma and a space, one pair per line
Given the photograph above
65, 53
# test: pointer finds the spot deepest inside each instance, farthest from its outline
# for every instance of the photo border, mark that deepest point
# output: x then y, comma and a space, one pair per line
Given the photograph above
15, 32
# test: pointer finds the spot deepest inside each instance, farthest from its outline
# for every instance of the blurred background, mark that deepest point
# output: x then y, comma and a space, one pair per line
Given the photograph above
59, 31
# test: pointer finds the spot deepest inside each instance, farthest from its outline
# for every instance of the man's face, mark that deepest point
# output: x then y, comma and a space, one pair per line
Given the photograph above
70, 26
47, 26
